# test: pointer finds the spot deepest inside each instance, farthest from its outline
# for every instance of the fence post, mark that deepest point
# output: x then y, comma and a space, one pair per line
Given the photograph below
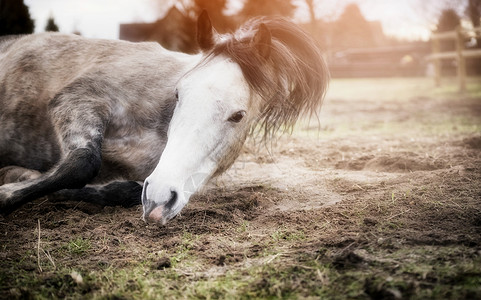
437, 61
461, 61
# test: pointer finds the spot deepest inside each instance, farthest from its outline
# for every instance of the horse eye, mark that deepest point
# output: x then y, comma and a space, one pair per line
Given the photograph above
177, 94
237, 117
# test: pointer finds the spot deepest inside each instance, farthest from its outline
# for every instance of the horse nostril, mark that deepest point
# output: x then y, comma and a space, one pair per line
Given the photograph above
144, 191
172, 200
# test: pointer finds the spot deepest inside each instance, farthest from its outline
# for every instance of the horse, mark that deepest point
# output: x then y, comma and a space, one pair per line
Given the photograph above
120, 123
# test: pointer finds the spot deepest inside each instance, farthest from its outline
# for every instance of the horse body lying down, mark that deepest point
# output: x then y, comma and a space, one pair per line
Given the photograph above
111, 114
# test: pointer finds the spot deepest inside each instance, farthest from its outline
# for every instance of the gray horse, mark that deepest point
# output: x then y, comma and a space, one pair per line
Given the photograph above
91, 120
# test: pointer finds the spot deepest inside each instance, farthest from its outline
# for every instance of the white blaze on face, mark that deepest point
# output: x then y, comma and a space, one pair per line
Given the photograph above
200, 135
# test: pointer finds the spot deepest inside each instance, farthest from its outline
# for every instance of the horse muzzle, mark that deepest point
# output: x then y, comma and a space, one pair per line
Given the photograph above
160, 204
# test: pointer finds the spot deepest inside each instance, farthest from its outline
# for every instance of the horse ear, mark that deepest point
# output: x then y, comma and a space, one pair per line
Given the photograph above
205, 32
262, 41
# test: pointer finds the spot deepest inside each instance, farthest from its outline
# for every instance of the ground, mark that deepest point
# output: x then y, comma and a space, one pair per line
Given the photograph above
379, 200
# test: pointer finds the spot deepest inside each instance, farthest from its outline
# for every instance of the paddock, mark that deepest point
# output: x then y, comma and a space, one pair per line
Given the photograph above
378, 200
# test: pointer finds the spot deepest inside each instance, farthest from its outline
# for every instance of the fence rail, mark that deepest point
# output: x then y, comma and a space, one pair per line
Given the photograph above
459, 36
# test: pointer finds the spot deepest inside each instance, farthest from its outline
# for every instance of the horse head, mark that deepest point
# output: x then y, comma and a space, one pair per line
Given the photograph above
267, 73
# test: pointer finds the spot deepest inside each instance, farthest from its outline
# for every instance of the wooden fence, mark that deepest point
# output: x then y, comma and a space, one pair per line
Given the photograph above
459, 36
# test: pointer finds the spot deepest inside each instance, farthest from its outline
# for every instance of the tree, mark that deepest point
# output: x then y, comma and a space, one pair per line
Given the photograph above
474, 12
448, 21
352, 30
15, 18
51, 26
312, 16
253, 8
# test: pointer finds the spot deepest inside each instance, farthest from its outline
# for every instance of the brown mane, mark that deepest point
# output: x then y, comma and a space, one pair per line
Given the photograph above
291, 82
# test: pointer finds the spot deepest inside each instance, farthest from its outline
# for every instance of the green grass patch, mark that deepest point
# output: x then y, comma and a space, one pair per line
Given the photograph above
418, 272
78, 246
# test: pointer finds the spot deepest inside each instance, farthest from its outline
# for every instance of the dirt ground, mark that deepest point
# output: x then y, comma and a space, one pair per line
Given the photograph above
380, 200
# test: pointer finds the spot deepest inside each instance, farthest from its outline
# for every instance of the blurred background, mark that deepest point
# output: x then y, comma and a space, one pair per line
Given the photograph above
378, 198
360, 38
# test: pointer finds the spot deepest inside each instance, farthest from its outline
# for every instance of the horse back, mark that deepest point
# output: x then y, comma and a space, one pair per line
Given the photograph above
35, 69
39, 66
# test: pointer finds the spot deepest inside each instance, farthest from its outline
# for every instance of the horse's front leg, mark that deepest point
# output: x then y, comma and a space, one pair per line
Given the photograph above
123, 193
79, 126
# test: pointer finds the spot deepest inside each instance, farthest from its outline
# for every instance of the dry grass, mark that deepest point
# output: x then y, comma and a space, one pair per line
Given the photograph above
382, 203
